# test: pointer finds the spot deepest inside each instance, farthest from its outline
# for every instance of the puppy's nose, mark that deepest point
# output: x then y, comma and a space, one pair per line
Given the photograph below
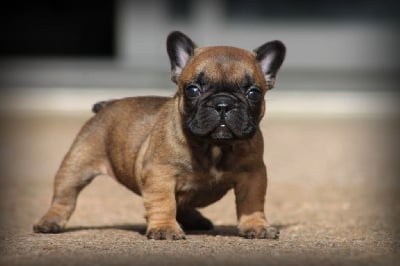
223, 102
223, 107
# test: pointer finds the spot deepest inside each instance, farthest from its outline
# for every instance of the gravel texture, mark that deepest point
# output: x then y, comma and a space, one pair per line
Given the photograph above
333, 193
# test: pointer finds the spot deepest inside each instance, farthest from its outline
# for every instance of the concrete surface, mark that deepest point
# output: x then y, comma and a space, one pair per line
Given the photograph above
333, 192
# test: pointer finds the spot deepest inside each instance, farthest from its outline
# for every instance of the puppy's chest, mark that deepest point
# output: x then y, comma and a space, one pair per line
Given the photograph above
207, 182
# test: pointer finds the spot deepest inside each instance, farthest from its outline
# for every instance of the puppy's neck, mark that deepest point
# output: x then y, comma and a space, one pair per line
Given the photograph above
208, 155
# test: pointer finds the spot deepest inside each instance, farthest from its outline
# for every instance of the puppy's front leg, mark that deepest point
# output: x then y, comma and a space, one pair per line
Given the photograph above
250, 192
158, 193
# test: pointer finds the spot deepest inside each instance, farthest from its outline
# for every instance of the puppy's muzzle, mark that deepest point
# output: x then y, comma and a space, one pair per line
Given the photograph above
223, 103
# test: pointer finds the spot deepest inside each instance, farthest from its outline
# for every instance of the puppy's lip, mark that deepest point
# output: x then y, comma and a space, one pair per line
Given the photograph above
222, 132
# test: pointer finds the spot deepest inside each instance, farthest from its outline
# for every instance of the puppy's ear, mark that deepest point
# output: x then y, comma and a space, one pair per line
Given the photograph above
180, 49
270, 56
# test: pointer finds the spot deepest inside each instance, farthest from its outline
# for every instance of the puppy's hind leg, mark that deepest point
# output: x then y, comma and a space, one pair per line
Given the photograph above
193, 220
76, 172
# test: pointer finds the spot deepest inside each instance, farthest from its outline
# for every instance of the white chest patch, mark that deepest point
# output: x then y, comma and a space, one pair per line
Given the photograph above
215, 173
216, 156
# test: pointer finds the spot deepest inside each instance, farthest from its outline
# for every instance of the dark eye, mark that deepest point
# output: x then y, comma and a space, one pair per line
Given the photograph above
254, 94
192, 91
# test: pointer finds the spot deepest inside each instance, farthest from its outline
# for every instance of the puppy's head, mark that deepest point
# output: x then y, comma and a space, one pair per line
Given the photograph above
221, 89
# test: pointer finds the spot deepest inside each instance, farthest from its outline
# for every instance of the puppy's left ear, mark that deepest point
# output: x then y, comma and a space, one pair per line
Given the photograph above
180, 49
270, 56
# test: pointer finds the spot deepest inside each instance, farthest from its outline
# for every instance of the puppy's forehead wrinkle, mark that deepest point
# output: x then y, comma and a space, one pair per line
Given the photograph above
247, 81
201, 79
217, 73
224, 66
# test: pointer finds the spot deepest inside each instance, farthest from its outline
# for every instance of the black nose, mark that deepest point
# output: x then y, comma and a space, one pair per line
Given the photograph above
223, 102
223, 107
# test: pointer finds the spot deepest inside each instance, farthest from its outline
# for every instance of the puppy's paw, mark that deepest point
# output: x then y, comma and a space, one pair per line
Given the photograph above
260, 232
49, 225
165, 233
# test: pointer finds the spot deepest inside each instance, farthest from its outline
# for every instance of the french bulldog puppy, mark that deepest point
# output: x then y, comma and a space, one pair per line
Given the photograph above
183, 152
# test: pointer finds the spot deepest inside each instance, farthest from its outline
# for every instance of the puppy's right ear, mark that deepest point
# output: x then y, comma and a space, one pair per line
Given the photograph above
270, 56
180, 49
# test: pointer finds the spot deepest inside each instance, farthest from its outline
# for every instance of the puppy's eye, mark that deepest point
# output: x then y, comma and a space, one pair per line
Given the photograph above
192, 91
254, 94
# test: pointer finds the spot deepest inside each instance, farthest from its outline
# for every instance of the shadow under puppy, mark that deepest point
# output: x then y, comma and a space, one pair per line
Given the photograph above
183, 152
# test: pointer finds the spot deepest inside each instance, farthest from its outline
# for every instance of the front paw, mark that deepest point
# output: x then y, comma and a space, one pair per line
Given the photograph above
165, 233
49, 224
269, 232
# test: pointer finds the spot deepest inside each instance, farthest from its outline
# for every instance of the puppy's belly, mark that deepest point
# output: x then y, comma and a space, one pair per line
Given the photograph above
195, 195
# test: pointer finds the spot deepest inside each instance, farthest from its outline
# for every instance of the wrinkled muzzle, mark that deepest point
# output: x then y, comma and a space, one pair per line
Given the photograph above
222, 117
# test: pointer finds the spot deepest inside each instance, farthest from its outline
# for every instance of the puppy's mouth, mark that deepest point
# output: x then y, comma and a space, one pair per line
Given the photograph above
222, 132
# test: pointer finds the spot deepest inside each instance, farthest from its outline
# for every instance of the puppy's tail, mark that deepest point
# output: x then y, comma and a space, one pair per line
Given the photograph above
100, 105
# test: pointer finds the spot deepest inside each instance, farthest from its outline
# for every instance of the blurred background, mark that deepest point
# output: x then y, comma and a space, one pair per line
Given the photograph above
65, 55
331, 128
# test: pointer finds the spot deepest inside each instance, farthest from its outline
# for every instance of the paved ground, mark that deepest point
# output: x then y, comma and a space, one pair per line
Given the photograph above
332, 192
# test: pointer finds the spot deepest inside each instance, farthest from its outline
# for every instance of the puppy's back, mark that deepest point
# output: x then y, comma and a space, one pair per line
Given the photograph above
124, 125
153, 102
